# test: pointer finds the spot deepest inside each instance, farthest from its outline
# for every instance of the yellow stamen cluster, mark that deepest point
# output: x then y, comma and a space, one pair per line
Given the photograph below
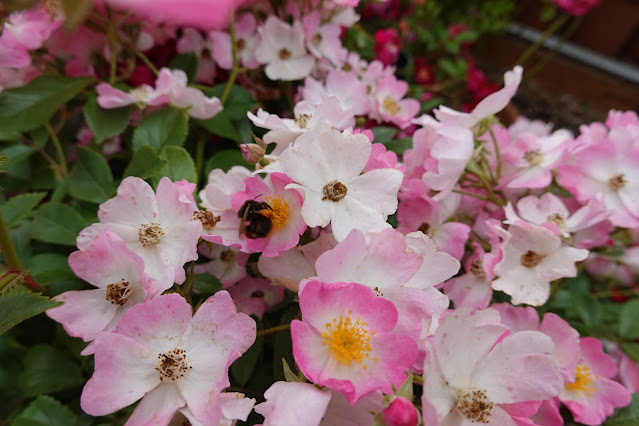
391, 106
583, 382
279, 214
348, 341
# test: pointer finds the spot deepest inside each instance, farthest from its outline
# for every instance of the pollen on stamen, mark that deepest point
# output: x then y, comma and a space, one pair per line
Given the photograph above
279, 211
150, 234
391, 106
348, 340
583, 381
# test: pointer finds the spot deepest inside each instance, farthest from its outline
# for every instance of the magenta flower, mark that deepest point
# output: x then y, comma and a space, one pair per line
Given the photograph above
203, 14
346, 340
170, 358
280, 208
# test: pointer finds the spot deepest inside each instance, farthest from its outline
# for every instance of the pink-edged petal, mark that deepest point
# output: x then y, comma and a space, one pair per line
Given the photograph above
124, 372
84, 313
133, 205
158, 324
518, 369
380, 314
461, 329
218, 335
293, 404
157, 407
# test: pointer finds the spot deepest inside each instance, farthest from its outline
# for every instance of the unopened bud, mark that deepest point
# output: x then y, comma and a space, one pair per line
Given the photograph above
253, 152
400, 412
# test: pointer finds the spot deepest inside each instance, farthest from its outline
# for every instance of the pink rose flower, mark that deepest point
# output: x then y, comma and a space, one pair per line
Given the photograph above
170, 358
346, 340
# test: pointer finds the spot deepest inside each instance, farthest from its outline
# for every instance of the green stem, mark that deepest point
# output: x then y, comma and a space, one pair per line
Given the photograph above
112, 39
418, 380
549, 31
273, 330
470, 194
186, 288
47, 157
8, 250
235, 70
564, 37
7, 279
58, 147
497, 154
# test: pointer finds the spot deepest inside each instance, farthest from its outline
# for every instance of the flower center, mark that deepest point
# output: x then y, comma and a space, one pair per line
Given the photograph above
557, 219
617, 182
172, 365
302, 120
334, 191
534, 157
474, 405
141, 94
477, 268
207, 218
227, 255
391, 106
240, 44
118, 293
583, 382
279, 211
530, 259
150, 234
348, 341
284, 54
316, 39
424, 228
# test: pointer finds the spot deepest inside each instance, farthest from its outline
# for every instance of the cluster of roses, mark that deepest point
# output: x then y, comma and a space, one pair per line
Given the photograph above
374, 299
370, 295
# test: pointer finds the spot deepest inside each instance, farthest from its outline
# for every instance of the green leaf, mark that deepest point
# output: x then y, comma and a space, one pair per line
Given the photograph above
627, 416
168, 126
57, 223
180, 165
243, 367
588, 309
207, 283
45, 411
48, 370
398, 146
90, 178
186, 62
27, 107
288, 373
145, 163
628, 324
19, 207
384, 134
239, 102
48, 268
19, 305
16, 154
226, 159
632, 350
105, 123
221, 125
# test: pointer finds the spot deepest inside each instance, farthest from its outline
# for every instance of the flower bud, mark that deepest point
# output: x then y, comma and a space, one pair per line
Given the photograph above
400, 412
253, 152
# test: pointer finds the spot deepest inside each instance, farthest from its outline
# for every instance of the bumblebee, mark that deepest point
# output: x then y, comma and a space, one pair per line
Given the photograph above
256, 219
